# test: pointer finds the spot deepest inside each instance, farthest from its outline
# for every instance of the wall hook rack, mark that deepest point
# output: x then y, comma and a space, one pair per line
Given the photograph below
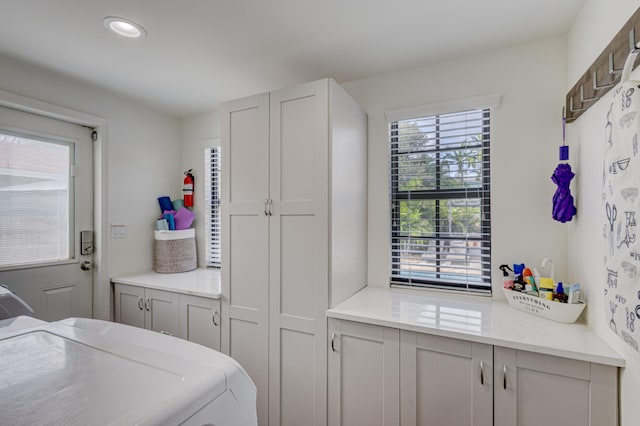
588, 89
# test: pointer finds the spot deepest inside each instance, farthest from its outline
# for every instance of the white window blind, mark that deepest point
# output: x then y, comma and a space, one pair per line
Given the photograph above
36, 195
440, 201
212, 200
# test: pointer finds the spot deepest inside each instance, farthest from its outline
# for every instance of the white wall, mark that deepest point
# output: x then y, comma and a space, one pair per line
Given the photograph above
526, 131
596, 25
199, 132
142, 159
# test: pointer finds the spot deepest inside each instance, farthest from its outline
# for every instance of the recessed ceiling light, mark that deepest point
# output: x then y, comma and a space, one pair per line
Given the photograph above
124, 27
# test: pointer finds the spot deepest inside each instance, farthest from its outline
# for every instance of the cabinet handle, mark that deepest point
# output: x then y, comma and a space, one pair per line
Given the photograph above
166, 333
482, 373
266, 203
333, 338
270, 207
147, 304
213, 317
140, 303
504, 377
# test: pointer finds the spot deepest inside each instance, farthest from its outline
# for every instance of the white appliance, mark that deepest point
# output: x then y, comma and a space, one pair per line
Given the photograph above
11, 305
92, 372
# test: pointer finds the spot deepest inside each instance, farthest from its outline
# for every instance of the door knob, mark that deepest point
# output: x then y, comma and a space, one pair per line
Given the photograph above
86, 265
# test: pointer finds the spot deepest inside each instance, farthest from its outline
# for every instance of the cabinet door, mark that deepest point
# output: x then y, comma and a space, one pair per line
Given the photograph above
299, 265
162, 311
245, 243
200, 320
129, 305
363, 374
445, 381
534, 389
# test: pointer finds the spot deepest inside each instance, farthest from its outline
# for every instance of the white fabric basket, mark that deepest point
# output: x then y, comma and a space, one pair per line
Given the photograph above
175, 251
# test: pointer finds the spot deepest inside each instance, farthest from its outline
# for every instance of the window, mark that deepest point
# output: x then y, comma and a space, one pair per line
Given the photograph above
36, 194
212, 201
440, 209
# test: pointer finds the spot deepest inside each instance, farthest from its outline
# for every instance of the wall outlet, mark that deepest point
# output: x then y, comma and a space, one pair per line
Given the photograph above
118, 231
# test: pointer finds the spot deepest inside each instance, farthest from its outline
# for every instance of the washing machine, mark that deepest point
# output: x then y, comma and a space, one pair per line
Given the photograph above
82, 371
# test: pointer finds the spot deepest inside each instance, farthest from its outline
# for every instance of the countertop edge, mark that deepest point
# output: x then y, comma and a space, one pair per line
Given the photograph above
146, 280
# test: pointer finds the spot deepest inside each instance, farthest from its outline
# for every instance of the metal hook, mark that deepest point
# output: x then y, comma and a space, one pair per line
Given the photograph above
612, 69
595, 82
571, 106
582, 98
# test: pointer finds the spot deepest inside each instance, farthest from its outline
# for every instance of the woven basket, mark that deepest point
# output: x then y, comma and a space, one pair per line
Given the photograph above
175, 251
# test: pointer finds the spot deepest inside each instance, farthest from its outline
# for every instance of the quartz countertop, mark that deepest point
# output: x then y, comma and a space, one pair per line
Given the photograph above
199, 282
474, 318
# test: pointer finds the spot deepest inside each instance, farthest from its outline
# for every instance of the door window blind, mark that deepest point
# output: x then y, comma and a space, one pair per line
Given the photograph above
212, 201
36, 200
440, 201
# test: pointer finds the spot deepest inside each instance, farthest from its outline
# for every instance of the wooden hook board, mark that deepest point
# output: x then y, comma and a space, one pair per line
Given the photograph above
604, 73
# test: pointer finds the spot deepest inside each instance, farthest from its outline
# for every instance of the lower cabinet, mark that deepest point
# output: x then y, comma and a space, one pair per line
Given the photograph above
193, 318
384, 376
148, 308
534, 389
200, 320
363, 374
445, 381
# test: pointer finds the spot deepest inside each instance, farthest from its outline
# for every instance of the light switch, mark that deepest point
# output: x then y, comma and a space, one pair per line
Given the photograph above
118, 231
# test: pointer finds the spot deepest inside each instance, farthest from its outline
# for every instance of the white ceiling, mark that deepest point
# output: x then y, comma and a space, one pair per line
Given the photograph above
199, 53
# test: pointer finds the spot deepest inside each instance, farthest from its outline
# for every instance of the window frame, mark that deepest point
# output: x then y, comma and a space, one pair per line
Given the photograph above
482, 193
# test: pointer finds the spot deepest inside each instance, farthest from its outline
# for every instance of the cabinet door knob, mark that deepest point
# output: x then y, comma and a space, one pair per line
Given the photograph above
482, 372
504, 377
140, 303
213, 317
333, 338
147, 304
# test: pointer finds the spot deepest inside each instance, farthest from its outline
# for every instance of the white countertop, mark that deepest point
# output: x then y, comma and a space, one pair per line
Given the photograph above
476, 319
199, 282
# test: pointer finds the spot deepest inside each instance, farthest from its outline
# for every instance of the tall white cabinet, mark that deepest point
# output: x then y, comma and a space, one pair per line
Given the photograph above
293, 238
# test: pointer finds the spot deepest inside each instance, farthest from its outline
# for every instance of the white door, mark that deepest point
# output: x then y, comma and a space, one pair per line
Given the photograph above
162, 311
526, 381
46, 200
200, 320
298, 255
363, 377
445, 381
245, 240
129, 305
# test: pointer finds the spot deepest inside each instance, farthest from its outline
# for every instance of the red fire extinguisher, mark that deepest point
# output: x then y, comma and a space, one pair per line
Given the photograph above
187, 188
